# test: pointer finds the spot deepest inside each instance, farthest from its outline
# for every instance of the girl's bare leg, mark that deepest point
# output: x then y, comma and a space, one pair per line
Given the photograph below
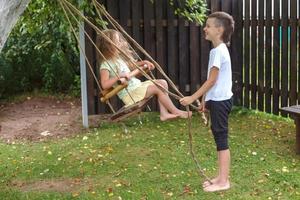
165, 102
164, 113
175, 111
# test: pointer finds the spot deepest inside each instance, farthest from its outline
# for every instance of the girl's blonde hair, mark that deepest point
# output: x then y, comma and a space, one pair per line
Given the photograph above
107, 43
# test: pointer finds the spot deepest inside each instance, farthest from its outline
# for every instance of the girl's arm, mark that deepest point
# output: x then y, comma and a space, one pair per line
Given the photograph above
144, 64
209, 83
107, 82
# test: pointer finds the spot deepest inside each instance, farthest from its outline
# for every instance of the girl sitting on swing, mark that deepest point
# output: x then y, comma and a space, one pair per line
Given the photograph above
116, 63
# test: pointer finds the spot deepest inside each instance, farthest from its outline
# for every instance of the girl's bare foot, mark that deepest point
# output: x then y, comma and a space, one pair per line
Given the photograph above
184, 114
168, 117
215, 187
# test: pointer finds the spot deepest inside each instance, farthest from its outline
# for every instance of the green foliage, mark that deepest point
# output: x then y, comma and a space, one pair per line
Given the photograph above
41, 50
75, 89
193, 10
5, 76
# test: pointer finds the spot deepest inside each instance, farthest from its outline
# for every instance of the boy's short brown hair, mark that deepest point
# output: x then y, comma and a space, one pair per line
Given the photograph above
226, 21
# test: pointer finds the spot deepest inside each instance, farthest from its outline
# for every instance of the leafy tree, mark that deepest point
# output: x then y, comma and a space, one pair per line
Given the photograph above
41, 50
193, 10
42, 53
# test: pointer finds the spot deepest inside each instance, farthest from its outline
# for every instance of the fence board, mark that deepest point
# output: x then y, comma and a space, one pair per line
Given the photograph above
97, 105
293, 53
204, 51
183, 46
237, 49
226, 5
240, 52
194, 57
298, 54
136, 16
247, 54
125, 12
147, 27
90, 53
284, 54
215, 5
204, 54
113, 8
261, 53
148, 37
253, 54
276, 56
172, 54
268, 56
159, 35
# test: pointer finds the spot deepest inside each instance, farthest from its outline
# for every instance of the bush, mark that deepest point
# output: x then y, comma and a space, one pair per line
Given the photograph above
41, 51
42, 54
5, 77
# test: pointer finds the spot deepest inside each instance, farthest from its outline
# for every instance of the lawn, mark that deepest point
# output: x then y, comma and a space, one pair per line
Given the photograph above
152, 161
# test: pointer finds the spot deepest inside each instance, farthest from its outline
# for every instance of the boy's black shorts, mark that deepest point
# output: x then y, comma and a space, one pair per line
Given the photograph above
219, 112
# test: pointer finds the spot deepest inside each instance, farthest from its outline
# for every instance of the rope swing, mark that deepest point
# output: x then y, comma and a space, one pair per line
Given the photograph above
72, 13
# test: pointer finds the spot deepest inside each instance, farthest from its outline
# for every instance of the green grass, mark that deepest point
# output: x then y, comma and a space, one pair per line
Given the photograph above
152, 161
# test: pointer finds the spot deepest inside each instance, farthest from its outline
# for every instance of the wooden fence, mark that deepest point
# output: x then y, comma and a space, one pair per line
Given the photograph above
264, 48
271, 54
176, 44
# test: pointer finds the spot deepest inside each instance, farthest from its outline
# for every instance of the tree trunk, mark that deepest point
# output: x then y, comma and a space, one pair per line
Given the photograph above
10, 11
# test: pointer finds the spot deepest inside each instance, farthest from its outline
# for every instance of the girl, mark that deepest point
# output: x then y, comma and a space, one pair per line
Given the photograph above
115, 63
217, 93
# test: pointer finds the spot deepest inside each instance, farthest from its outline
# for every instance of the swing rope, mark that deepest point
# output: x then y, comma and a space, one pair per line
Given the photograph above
64, 7
177, 97
67, 5
98, 51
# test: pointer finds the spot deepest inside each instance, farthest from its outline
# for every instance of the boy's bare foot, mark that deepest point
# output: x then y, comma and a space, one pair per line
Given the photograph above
168, 117
215, 187
207, 183
185, 114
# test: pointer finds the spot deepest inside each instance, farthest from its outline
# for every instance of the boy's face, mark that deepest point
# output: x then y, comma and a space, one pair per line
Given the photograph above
212, 32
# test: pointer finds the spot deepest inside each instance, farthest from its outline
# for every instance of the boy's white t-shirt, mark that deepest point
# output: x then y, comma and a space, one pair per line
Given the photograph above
219, 57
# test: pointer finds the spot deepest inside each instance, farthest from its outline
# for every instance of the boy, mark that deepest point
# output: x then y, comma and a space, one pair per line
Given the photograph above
216, 92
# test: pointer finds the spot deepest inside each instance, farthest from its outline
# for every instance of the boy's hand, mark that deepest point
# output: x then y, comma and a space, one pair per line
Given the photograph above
201, 108
186, 100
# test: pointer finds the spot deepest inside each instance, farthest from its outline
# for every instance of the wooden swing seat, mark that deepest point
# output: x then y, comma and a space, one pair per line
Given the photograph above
128, 111
125, 111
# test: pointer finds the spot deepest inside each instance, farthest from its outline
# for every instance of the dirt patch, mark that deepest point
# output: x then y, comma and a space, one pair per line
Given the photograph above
40, 118
63, 185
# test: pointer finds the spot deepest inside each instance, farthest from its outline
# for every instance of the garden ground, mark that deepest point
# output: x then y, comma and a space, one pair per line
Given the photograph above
39, 118
150, 161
